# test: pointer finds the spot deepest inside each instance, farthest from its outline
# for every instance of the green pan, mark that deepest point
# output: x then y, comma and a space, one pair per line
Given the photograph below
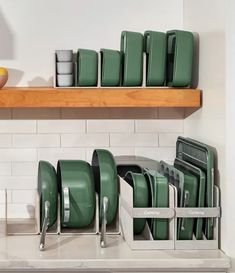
132, 48
106, 181
155, 48
140, 197
87, 67
48, 191
201, 177
190, 193
110, 67
202, 156
77, 193
175, 177
180, 47
160, 199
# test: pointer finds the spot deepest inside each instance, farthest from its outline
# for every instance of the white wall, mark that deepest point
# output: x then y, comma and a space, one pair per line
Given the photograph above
214, 123
230, 130
31, 30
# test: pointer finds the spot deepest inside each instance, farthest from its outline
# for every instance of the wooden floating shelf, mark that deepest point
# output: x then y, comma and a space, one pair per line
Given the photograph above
49, 97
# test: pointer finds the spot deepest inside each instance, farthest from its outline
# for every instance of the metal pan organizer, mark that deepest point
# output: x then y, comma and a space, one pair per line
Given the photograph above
128, 213
184, 213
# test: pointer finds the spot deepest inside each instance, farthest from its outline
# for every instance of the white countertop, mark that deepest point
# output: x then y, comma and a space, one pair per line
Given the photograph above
83, 252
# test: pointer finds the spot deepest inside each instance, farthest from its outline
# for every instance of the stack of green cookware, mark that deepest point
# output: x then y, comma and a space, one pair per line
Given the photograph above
169, 61
193, 176
76, 182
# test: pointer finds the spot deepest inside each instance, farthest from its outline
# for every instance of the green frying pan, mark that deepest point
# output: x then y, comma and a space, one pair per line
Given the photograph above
106, 181
160, 199
77, 193
140, 197
48, 191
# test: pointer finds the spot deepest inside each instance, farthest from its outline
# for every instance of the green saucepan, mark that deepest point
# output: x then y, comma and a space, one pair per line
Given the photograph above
48, 191
140, 197
77, 193
106, 181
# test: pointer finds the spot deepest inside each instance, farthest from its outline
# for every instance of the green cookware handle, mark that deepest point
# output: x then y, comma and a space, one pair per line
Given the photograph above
45, 226
66, 205
105, 207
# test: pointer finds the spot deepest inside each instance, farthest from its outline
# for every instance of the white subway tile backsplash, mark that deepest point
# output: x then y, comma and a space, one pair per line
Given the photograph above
17, 126
2, 213
61, 126
21, 211
166, 154
18, 154
36, 140
54, 154
167, 139
133, 140
23, 196
2, 196
5, 140
18, 182
5, 168
173, 125
24, 168
84, 140
99, 126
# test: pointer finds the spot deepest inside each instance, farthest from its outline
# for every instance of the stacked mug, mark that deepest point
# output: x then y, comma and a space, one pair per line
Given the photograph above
64, 68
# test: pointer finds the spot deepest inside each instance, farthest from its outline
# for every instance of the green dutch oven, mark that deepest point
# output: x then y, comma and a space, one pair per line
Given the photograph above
106, 181
140, 197
48, 191
77, 193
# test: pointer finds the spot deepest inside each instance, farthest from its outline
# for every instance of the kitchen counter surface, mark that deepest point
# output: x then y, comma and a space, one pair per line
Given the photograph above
81, 253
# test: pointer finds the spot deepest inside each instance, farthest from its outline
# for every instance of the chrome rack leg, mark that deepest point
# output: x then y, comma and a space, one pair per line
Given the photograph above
45, 225
105, 203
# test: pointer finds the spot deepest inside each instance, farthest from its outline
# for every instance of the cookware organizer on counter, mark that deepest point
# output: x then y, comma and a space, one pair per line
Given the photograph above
151, 206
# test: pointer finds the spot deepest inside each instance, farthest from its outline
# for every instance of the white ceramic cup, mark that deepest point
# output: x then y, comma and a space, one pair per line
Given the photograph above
65, 80
64, 68
64, 55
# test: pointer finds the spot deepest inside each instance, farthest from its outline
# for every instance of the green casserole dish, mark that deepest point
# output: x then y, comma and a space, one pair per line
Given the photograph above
106, 181
87, 67
110, 67
47, 191
77, 193
159, 199
140, 197
155, 48
180, 48
132, 49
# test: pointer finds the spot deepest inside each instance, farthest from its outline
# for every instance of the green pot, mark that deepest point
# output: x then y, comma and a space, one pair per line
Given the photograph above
77, 193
